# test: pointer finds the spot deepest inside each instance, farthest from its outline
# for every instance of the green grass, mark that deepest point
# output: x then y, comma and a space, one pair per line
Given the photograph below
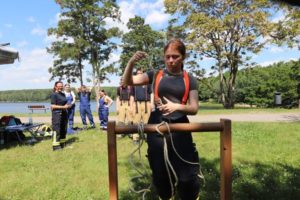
266, 165
213, 108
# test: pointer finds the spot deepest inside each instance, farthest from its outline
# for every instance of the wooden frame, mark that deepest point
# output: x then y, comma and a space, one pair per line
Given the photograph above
224, 126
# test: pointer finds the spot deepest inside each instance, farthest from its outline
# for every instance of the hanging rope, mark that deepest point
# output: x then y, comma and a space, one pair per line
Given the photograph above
144, 174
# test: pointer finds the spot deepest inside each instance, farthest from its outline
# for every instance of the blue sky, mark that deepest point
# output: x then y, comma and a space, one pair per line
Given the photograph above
24, 25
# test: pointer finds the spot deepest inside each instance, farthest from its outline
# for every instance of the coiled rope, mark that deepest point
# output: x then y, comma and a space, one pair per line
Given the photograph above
169, 167
168, 164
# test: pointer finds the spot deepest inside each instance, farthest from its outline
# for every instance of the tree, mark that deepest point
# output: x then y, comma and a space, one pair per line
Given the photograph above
228, 31
84, 36
141, 37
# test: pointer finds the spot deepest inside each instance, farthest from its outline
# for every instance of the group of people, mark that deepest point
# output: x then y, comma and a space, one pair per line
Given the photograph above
63, 110
134, 104
173, 157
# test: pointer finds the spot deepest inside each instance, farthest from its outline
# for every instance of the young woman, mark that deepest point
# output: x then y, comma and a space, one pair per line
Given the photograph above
104, 102
175, 96
59, 108
71, 99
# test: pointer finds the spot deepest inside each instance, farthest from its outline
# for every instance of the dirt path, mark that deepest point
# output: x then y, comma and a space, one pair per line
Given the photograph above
261, 117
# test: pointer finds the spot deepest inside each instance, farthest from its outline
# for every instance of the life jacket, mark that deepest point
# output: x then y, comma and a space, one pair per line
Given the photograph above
186, 81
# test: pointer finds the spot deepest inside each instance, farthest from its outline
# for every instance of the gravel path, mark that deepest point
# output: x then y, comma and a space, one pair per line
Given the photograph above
261, 117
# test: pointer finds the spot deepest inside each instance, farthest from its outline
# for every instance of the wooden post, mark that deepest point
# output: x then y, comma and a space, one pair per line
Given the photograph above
112, 161
226, 162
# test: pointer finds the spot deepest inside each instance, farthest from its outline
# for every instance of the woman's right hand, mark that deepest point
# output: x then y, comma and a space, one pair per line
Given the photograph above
139, 55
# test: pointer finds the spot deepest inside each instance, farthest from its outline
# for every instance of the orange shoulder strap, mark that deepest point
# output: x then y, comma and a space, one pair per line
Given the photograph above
186, 83
187, 87
157, 80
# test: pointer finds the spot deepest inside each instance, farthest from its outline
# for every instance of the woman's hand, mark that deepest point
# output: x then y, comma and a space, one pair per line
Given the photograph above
168, 107
139, 55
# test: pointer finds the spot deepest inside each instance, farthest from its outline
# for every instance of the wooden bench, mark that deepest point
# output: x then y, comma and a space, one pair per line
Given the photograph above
37, 107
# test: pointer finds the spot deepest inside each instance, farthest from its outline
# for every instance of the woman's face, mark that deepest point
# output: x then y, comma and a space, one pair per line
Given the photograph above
173, 59
59, 87
101, 94
67, 88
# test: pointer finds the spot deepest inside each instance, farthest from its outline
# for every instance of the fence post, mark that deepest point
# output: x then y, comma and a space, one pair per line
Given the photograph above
226, 160
112, 161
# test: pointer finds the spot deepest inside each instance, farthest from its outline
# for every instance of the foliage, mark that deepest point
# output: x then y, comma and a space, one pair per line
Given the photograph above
141, 37
257, 86
42, 94
228, 31
84, 36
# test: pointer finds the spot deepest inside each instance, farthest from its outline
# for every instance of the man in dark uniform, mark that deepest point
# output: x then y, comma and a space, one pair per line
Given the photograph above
85, 107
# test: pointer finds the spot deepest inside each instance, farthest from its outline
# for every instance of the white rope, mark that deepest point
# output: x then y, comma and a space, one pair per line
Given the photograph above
166, 157
141, 175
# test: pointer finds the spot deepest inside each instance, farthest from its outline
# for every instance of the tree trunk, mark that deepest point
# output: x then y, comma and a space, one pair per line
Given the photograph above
80, 72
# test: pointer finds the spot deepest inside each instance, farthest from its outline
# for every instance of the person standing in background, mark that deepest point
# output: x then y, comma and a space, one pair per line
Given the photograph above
84, 94
71, 99
124, 105
103, 104
142, 104
59, 108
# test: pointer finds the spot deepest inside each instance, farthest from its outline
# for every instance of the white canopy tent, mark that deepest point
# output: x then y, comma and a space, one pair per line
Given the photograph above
7, 56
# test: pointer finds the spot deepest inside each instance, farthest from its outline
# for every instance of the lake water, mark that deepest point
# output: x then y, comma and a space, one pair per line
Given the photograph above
22, 107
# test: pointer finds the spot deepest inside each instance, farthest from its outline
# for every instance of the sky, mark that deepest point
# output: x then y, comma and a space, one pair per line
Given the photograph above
24, 25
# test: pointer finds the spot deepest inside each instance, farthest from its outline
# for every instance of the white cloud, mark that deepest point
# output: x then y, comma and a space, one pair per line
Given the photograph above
22, 44
152, 12
276, 49
279, 16
270, 62
157, 18
38, 31
31, 19
30, 72
8, 25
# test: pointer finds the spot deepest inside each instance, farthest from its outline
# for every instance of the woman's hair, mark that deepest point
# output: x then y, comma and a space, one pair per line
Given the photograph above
178, 44
103, 92
67, 84
55, 84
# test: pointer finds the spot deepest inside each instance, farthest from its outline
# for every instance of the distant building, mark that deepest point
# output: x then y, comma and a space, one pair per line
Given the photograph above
7, 56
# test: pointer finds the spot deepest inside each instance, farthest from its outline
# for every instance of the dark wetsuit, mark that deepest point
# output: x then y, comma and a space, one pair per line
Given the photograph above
173, 87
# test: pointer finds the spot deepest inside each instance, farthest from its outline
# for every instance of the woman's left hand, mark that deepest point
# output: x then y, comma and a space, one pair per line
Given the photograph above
168, 107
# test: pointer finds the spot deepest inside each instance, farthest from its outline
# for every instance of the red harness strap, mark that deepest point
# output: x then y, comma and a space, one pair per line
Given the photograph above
186, 81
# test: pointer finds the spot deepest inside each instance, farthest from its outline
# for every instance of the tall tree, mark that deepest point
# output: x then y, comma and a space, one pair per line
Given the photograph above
141, 37
85, 36
228, 31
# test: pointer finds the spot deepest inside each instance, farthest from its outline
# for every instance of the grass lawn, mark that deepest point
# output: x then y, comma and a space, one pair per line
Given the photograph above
266, 165
213, 108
